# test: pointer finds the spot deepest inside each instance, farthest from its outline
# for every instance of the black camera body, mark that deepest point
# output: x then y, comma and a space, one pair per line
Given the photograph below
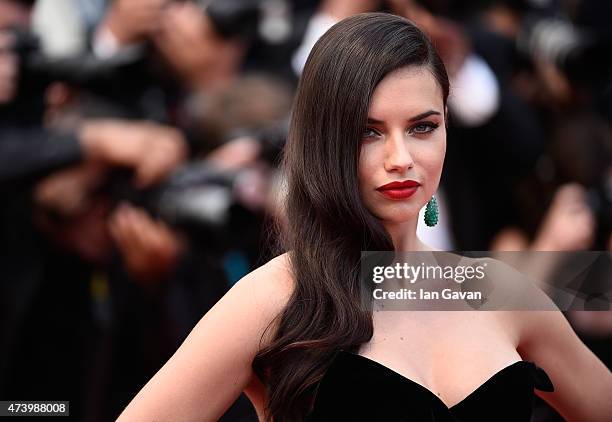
195, 197
582, 55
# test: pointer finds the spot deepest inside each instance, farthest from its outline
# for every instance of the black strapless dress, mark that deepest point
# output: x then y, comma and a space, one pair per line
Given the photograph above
356, 388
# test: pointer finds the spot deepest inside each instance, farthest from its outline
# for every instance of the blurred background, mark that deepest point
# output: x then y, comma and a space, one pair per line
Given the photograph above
139, 146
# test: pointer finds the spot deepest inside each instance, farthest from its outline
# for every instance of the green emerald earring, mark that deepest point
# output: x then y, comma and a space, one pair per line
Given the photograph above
431, 212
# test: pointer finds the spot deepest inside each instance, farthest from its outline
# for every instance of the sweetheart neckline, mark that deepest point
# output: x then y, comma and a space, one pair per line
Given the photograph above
427, 390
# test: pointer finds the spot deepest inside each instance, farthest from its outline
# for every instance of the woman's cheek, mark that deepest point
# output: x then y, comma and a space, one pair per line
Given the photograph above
435, 156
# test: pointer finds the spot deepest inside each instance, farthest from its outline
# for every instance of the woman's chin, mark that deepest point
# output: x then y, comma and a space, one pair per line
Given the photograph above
398, 218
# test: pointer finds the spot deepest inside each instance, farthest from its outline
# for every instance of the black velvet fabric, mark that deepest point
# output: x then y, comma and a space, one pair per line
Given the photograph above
356, 388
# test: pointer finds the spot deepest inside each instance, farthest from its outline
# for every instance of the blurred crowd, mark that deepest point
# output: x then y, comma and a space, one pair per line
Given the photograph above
139, 151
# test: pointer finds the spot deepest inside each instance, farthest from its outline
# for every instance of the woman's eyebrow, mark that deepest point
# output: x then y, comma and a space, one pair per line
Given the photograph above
426, 114
374, 121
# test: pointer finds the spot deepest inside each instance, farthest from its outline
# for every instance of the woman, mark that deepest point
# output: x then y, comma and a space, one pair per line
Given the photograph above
370, 110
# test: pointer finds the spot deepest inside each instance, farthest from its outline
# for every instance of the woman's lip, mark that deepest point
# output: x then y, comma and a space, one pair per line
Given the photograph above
399, 185
397, 194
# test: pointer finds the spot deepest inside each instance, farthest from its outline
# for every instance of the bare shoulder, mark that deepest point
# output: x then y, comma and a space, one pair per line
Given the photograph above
265, 292
276, 272
547, 338
271, 284
215, 360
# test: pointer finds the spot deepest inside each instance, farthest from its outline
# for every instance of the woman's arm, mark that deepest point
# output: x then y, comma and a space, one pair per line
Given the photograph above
212, 367
583, 384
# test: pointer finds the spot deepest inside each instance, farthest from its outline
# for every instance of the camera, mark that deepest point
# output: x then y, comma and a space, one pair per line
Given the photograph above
197, 196
38, 70
581, 55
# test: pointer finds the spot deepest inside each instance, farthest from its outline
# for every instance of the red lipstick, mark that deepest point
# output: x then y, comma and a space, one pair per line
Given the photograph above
399, 190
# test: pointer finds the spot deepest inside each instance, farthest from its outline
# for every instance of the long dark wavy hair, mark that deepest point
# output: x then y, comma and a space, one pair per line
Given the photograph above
328, 224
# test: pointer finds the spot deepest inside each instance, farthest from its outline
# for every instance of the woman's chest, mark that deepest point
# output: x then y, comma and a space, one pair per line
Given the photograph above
449, 353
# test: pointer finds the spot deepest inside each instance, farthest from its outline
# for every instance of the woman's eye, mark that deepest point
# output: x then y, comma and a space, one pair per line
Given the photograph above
424, 127
370, 133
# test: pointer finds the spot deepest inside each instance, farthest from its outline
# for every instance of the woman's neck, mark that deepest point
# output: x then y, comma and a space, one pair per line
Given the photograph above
404, 236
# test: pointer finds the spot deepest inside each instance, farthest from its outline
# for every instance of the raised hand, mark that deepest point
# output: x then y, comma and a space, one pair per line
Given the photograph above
150, 249
151, 150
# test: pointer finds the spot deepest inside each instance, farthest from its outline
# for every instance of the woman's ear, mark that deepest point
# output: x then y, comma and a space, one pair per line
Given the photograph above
446, 116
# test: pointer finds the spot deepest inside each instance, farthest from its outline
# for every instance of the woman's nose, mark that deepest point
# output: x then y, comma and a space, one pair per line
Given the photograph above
398, 157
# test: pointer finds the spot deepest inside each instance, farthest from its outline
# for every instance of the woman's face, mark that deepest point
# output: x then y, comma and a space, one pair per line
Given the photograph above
404, 144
